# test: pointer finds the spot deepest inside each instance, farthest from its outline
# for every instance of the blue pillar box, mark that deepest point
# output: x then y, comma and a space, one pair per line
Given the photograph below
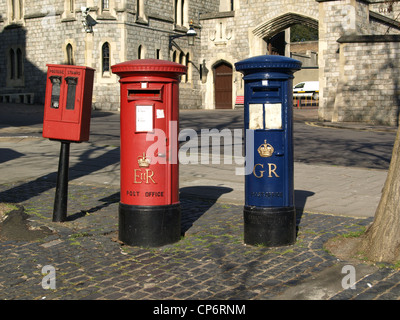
269, 212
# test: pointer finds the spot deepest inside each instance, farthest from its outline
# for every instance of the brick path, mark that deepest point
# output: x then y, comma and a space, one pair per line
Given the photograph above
210, 261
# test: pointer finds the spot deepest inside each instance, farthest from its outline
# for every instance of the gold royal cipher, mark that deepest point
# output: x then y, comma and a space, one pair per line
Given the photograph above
265, 150
143, 175
143, 161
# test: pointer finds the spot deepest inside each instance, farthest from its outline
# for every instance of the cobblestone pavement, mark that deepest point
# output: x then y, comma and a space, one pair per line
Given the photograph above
209, 262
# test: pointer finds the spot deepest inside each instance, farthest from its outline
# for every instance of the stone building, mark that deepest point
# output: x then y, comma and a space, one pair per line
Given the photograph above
40, 32
359, 52
356, 60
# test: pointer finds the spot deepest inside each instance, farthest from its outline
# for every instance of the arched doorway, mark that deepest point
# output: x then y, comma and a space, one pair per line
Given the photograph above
223, 85
272, 27
292, 35
281, 32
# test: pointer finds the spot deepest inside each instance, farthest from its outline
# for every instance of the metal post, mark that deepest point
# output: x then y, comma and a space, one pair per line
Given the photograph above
60, 201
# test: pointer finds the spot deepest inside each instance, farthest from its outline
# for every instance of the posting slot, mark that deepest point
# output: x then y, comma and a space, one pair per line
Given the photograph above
145, 94
262, 92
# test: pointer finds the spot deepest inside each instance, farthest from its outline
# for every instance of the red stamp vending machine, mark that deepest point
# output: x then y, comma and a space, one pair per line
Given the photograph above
67, 111
68, 102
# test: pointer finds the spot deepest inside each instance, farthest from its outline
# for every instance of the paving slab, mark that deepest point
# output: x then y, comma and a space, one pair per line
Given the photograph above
318, 188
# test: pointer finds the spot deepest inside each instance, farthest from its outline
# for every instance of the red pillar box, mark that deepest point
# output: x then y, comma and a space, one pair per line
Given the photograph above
149, 210
68, 102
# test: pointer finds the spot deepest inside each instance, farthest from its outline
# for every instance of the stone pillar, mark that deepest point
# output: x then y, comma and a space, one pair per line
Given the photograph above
336, 18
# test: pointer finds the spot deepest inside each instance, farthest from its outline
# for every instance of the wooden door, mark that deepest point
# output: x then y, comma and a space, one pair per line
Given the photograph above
223, 86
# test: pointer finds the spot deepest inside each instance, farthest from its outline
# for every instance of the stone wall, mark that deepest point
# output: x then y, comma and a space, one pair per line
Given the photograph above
357, 64
219, 42
48, 26
369, 86
335, 24
44, 32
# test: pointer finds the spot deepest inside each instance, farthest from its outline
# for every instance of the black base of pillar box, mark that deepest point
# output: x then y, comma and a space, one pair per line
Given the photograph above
149, 226
271, 227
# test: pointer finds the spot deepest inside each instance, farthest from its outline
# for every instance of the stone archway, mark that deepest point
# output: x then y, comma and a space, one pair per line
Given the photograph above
271, 27
273, 36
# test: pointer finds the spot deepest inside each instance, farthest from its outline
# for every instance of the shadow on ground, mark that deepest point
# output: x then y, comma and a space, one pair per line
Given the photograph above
190, 211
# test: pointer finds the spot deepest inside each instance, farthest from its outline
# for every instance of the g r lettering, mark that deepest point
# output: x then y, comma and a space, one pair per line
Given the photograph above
271, 170
260, 173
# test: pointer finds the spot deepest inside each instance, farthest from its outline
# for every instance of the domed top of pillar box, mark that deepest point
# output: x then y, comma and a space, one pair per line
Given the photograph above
150, 67
267, 64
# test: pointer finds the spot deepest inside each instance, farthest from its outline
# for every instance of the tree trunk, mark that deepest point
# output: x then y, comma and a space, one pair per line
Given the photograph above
382, 239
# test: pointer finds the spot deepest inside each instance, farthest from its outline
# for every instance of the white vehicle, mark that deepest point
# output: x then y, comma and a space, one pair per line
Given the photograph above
306, 89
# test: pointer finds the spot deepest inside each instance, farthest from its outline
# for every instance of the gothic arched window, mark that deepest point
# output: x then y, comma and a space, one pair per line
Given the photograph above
105, 57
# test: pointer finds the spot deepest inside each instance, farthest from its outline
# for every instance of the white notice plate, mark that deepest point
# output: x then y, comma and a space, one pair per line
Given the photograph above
144, 118
273, 115
256, 116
